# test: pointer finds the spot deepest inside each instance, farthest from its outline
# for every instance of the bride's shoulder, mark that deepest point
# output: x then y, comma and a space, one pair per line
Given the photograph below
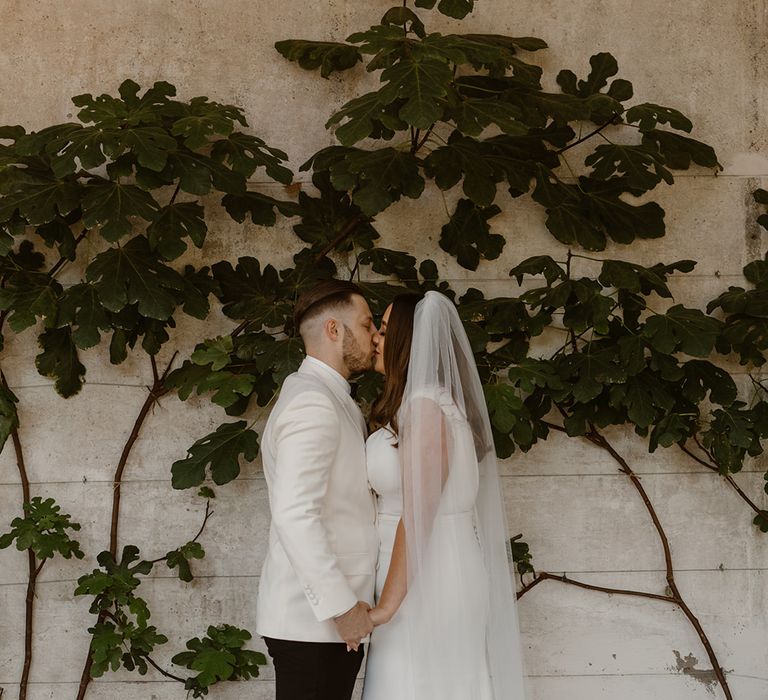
440, 396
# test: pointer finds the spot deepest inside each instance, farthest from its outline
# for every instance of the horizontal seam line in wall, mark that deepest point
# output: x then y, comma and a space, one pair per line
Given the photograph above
618, 675
509, 278
681, 174
138, 681
503, 476
569, 572
43, 386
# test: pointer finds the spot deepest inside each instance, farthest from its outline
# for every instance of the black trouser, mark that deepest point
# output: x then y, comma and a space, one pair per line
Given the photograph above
314, 670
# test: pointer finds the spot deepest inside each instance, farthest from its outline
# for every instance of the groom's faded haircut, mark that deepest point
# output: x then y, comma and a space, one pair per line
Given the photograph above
323, 297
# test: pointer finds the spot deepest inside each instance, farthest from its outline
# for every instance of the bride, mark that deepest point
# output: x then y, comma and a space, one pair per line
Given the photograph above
443, 585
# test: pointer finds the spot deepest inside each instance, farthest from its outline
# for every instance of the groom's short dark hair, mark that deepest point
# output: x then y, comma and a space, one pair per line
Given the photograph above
321, 297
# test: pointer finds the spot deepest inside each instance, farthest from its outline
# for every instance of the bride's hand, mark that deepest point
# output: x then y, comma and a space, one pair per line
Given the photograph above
379, 616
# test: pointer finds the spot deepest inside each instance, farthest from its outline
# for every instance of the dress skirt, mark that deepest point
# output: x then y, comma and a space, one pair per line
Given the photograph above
439, 632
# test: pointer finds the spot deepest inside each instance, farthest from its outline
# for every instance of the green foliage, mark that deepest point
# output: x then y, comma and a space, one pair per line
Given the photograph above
123, 643
467, 235
761, 197
113, 584
43, 529
179, 558
122, 636
9, 417
219, 656
329, 56
131, 274
629, 370
248, 292
127, 172
220, 451
745, 312
522, 556
453, 8
323, 221
59, 360
443, 93
28, 296
684, 330
172, 224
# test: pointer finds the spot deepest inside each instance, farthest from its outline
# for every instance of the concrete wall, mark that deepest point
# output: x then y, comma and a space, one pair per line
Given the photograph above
706, 57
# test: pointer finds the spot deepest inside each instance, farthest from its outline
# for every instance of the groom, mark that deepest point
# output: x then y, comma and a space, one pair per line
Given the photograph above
317, 581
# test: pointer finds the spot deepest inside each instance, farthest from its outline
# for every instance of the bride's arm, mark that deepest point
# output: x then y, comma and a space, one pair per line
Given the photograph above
424, 474
395, 585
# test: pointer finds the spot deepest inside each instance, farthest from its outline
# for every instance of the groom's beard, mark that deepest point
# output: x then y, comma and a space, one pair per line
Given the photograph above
354, 357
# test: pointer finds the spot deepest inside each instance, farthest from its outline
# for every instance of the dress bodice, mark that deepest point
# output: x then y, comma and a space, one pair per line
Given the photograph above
384, 476
384, 471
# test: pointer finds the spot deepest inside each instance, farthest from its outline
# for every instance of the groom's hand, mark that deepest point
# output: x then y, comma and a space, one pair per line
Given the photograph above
354, 624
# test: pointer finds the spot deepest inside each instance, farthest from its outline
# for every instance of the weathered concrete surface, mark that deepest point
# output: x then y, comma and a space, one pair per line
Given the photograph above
579, 515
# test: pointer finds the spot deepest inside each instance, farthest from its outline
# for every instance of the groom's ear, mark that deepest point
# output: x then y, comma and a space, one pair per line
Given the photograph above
332, 328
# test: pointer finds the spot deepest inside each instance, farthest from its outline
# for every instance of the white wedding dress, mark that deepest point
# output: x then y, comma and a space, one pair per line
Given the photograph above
448, 641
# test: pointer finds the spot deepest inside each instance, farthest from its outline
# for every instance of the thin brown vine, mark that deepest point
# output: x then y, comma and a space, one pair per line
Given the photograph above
156, 391
596, 438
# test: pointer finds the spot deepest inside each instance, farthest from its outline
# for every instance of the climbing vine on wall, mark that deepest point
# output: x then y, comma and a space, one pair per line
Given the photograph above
464, 113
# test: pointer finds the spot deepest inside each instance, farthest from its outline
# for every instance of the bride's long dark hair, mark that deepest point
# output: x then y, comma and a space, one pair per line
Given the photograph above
397, 353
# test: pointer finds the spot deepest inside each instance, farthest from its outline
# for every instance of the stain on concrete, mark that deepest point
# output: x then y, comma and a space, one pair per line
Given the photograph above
687, 665
753, 230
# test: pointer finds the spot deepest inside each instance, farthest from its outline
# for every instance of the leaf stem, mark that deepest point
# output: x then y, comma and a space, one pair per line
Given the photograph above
347, 231
423, 140
612, 120
175, 193
586, 257
149, 660
239, 329
208, 514
62, 260
727, 477
355, 268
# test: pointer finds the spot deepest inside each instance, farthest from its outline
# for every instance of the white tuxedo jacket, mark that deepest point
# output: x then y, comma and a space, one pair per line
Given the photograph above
323, 541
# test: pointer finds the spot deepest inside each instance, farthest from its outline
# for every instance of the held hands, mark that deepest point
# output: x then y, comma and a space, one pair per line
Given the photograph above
379, 615
354, 624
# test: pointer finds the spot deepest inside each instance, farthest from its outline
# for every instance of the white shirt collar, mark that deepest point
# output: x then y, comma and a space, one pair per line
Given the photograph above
331, 372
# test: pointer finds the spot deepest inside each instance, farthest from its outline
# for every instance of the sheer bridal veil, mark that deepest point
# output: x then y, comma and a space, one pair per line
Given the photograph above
451, 486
